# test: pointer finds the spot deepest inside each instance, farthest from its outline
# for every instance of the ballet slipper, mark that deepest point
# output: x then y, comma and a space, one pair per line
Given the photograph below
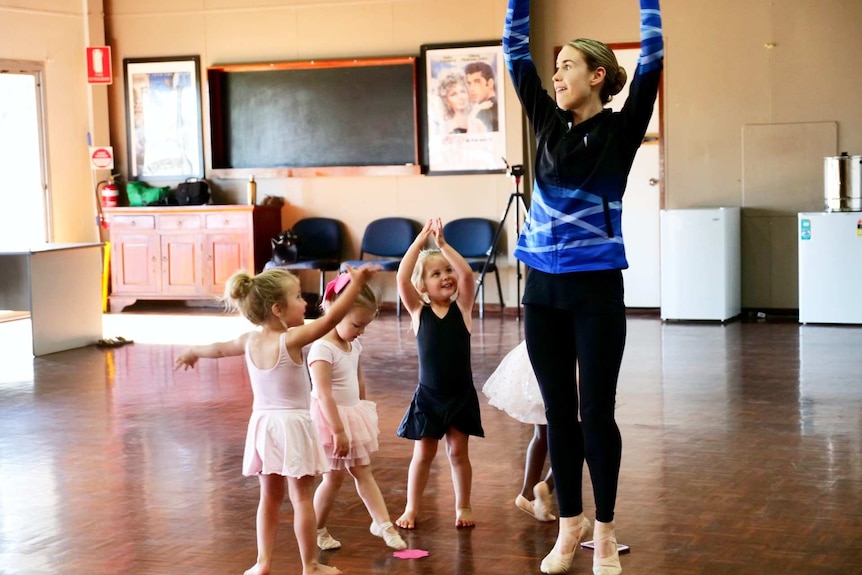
389, 534
605, 537
542, 502
525, 505
325, 541
559, 562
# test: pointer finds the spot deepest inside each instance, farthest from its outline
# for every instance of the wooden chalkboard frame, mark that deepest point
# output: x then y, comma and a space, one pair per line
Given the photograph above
215, 75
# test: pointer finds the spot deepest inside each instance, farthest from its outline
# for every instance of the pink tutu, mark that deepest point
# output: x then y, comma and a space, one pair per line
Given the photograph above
360, 424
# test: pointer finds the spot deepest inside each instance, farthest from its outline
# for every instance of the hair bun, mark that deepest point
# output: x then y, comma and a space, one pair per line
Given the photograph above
619, 81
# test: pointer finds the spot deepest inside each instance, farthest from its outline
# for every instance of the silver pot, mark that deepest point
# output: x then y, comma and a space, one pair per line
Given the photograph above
842, 181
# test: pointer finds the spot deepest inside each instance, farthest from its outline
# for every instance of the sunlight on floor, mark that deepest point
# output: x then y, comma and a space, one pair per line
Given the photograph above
174, 329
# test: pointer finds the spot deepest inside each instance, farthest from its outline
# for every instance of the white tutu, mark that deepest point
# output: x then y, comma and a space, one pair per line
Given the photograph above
514, 389
283, 442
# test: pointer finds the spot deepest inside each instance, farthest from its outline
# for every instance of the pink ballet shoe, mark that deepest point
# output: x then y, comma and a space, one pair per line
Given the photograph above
389, 534
525, 505
557, 562
542, 502
605, 535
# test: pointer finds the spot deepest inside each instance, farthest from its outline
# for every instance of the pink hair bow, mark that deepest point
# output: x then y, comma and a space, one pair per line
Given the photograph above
336, 286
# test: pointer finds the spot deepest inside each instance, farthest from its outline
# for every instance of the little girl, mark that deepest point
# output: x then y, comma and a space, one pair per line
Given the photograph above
514, 389
346, 421
281, 440
436, 287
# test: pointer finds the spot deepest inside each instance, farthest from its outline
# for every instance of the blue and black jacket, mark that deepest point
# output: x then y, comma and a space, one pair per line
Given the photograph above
574, 221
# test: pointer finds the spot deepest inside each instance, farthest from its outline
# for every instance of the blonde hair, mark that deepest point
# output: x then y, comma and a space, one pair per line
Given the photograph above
417, 278
598, 54
254, 296
367, 299
446, 82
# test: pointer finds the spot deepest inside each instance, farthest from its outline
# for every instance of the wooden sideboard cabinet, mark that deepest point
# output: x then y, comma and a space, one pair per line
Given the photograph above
185, 252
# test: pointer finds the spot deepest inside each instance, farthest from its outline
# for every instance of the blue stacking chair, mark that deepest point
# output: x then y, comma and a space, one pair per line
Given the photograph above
321, 242
473, 238
386, 240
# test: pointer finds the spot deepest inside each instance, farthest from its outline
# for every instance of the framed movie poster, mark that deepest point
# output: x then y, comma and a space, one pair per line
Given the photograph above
463, 108
163, 118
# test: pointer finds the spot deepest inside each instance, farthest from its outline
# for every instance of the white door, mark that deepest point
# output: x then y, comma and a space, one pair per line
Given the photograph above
24, 217
641, 206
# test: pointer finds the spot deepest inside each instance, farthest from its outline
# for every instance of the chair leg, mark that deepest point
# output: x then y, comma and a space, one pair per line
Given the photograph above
499, 290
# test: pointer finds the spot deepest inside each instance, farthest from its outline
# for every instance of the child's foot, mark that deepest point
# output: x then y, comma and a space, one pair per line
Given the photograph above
258, 569
407, 520
542, 502
315, 568
464, 518
388, 533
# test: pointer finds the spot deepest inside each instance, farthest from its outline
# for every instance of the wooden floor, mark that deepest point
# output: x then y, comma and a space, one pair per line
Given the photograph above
742, 455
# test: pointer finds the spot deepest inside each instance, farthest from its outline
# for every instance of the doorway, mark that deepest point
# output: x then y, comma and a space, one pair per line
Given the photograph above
643, 199
24, 219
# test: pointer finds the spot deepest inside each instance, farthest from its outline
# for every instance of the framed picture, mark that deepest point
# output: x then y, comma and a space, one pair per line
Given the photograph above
163, 118
463, 108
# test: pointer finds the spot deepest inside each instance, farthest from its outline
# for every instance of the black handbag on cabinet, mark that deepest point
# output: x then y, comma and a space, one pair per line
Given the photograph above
193, 192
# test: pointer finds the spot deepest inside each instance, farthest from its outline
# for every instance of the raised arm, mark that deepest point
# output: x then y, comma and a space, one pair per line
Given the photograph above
303, 335
466, 284
639, 105
213, 351
652, 42
406, 290
540, 108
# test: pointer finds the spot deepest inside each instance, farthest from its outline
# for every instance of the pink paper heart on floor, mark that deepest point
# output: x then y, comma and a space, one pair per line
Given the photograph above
410, 554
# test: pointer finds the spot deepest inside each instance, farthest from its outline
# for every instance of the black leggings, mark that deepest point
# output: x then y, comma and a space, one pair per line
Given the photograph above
590, 333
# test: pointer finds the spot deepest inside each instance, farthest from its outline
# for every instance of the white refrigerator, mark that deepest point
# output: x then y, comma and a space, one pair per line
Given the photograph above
700, 264
830, 267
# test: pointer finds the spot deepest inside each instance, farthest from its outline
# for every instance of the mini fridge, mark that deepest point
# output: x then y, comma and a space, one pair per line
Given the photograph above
830, 267
700, 264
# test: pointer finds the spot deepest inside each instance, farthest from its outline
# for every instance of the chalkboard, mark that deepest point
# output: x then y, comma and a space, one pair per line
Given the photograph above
324, 114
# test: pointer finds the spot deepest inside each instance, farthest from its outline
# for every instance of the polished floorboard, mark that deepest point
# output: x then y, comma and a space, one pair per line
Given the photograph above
742, 455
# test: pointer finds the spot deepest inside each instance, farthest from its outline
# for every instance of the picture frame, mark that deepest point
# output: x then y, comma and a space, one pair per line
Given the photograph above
164, 129
463, 108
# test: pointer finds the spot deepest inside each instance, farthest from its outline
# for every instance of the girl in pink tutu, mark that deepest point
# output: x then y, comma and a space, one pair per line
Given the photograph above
346, 421
281, 441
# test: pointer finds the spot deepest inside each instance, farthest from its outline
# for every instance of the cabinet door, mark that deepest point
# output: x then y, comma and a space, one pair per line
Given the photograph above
182, 268
224, 254
135, 264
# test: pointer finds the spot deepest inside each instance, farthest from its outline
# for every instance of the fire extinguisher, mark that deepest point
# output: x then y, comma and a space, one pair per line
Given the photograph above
109, 193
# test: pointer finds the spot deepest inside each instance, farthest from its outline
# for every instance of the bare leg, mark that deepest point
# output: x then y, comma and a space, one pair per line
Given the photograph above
325, 495
424, 451
271, 496
369, 491
462, 475
537, 452
549, 479
304, 525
